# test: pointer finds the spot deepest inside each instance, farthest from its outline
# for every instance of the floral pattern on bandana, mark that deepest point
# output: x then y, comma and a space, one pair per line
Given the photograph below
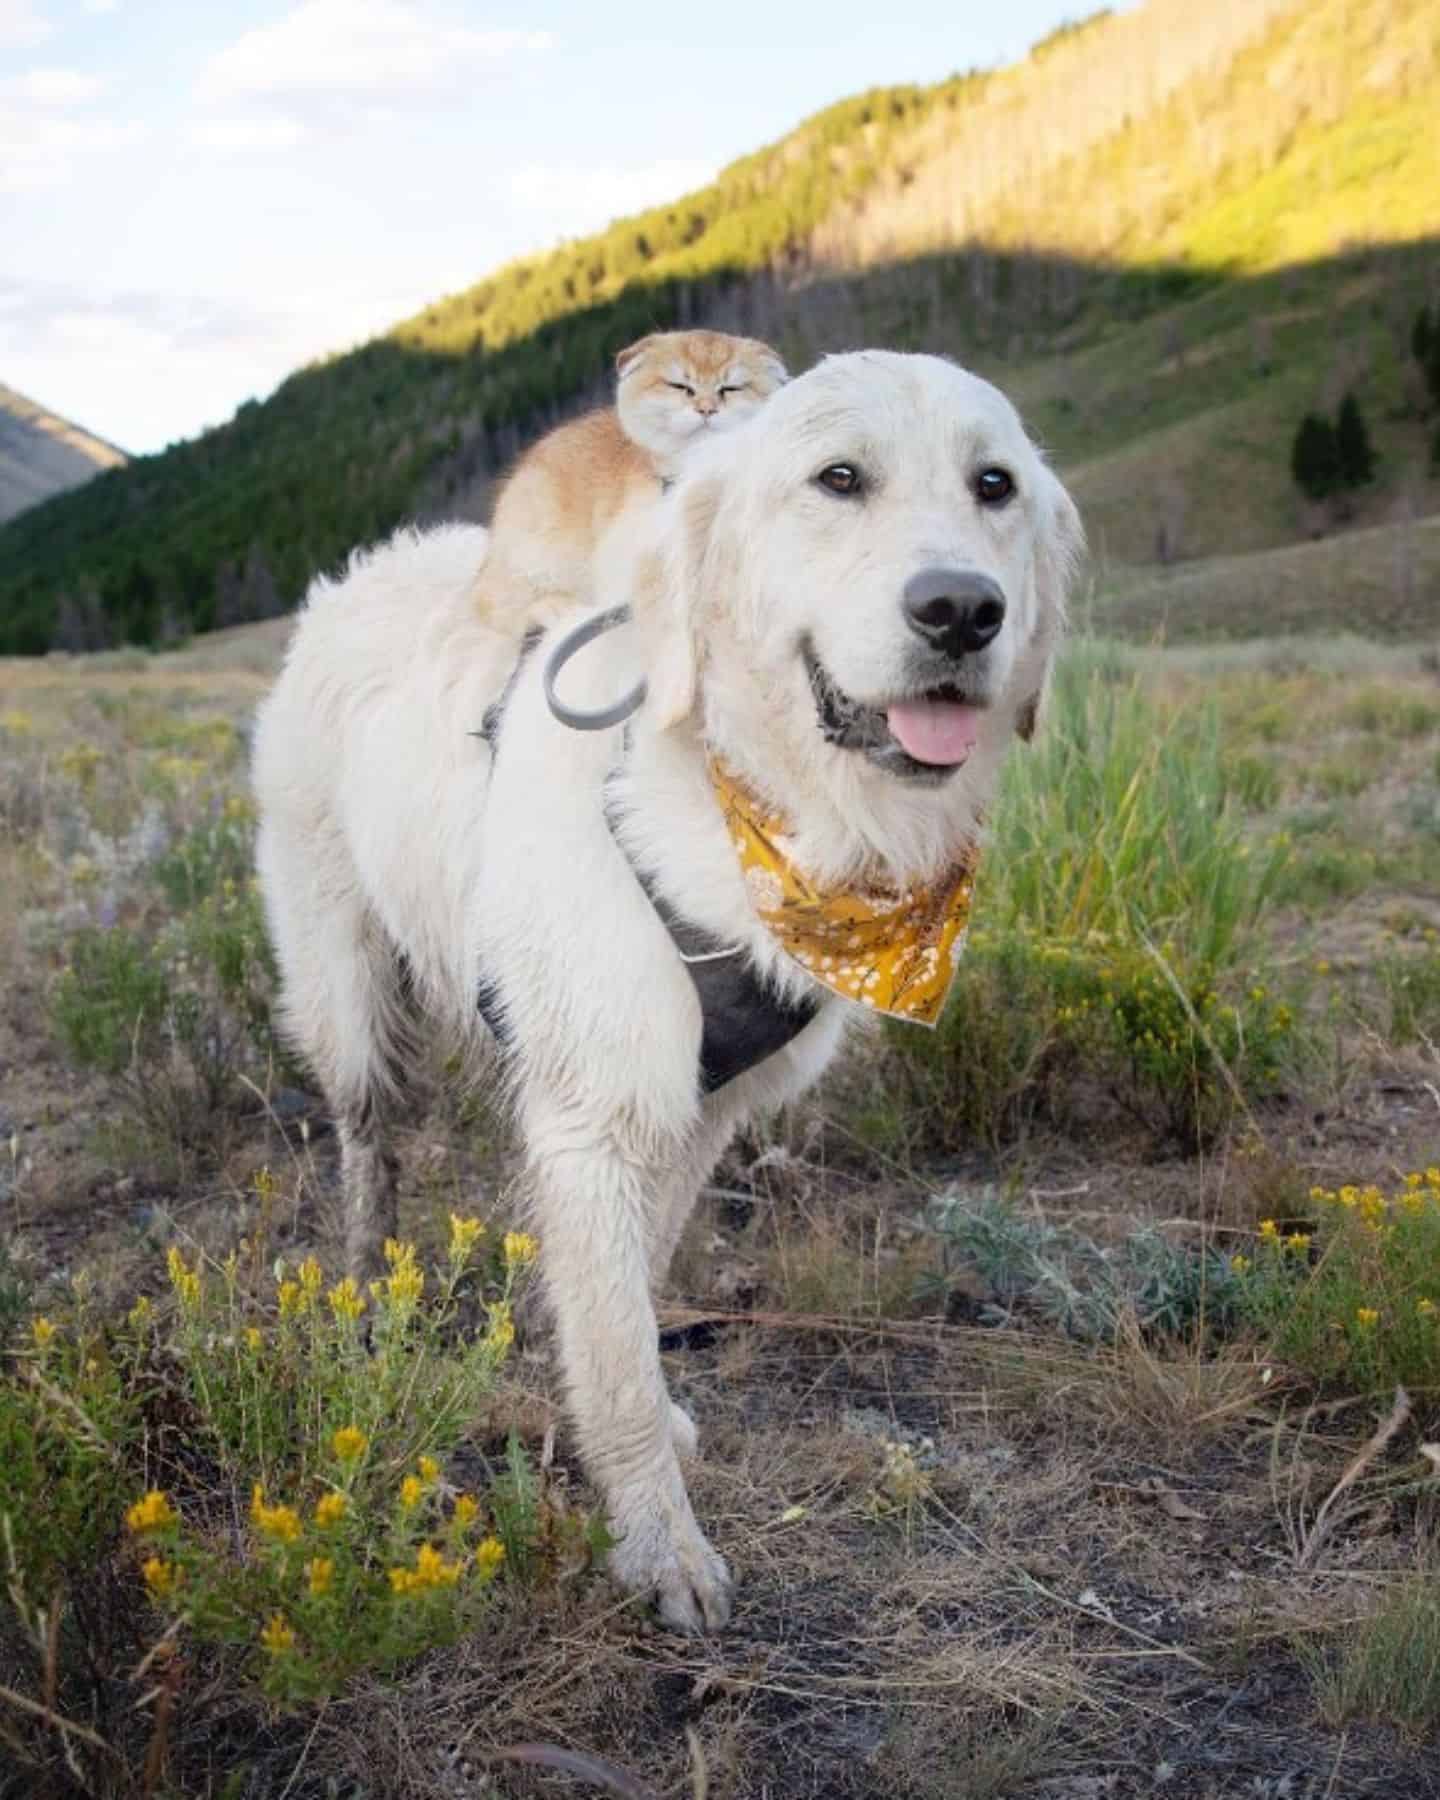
892, 950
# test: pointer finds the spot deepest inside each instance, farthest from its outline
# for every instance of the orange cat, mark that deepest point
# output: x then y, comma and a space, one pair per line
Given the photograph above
568, 490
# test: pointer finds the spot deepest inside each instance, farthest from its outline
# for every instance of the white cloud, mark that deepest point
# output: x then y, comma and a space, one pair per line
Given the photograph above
261, 133
101, 6
40, 150
52, 87
566, 200
359, 48
143, 369
21, 25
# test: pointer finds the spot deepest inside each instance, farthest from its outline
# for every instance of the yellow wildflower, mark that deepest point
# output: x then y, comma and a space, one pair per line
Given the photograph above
402, 1581
1269, 1231
429, 1468
42, 1331
1425, 1308
1414, 1180
279, 1522
432, 1570
412, 1491
140, 1313
292, 1299
398, 1253
265, 1184
1239, 1264
520, 1249
254, 1339
311, 1277
185, 1281
466, 1507
1366, 1316
1298, 1241
1372, 1205
349, 1443
153, 1513
500, 1334
346, 1300
159, 1577
464, 1235
319, 1573
1432, 1177
330, 1509
405, 1286
489, 1554
277, 1637
1349, 1196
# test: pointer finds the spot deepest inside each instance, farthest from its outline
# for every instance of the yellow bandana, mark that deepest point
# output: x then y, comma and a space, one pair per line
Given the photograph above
890, 950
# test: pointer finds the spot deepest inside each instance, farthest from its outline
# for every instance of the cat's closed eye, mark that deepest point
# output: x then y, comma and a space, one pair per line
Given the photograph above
682, 387
734, 387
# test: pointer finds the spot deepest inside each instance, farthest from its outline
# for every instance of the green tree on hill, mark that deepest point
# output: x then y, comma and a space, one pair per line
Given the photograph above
1315, 458
1352, 445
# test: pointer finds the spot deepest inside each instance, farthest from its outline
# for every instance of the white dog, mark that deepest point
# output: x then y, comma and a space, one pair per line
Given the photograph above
847, 609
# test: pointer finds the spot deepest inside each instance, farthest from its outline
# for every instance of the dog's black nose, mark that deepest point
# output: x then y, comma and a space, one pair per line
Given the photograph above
957, 610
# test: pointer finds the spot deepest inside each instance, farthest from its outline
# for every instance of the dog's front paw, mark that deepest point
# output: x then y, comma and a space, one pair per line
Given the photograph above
667, 1558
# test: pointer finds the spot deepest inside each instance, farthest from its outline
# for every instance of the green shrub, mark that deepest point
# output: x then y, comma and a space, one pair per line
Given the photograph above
267, 1467
1385, 1667
1410, 981
1350, 1294
1028, 1019
1092, 1291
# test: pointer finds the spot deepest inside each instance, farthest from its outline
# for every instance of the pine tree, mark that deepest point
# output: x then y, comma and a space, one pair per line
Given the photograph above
1315, 458
1352, 445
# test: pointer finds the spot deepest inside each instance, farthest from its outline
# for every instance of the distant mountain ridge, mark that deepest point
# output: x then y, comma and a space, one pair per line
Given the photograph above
43, 454
1169, 232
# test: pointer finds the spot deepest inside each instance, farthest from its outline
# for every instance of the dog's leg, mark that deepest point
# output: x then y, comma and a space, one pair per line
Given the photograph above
597, 1209
345, 1006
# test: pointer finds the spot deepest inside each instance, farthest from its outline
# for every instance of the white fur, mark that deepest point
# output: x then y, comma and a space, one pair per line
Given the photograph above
388, 830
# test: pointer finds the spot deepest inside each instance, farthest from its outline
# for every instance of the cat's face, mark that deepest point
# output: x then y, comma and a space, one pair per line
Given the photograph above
676, 386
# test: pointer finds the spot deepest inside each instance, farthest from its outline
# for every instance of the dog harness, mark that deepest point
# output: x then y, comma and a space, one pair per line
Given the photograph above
891, 950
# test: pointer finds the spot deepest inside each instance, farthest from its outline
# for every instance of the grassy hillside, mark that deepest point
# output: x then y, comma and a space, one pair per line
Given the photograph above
1170, 232
42, 454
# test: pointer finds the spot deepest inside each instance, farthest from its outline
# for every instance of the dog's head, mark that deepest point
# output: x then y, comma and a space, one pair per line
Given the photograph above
873, 570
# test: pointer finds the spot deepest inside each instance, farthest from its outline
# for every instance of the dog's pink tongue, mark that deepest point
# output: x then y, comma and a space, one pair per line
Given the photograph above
934, 731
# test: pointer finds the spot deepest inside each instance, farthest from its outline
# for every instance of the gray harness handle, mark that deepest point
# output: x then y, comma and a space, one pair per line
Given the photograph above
600, 718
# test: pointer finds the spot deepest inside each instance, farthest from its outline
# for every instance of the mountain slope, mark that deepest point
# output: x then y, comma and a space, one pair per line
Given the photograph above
42, 454
1169, 231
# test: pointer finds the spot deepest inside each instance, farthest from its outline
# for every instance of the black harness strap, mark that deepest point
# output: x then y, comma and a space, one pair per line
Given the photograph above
743, 1020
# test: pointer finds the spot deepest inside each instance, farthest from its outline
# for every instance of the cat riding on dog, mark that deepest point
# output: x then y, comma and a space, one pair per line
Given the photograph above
674, 390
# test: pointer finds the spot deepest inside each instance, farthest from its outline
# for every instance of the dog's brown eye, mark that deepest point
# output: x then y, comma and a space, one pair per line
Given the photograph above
840, 478
993, 487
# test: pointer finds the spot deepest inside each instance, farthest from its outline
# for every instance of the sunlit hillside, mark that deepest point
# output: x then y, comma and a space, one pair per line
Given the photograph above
1171, 232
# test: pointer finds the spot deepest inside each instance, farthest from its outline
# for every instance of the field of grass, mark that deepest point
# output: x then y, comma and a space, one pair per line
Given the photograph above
1068, 1384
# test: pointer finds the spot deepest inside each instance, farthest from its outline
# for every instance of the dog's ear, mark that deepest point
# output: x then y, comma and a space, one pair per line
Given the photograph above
1059, 552
630, 355
668, 601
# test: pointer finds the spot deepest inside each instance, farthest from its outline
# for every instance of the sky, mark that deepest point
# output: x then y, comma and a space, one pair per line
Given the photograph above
198, 197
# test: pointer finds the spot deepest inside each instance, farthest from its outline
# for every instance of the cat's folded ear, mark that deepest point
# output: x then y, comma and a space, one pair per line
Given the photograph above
668, 599
773, 365
631, 354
